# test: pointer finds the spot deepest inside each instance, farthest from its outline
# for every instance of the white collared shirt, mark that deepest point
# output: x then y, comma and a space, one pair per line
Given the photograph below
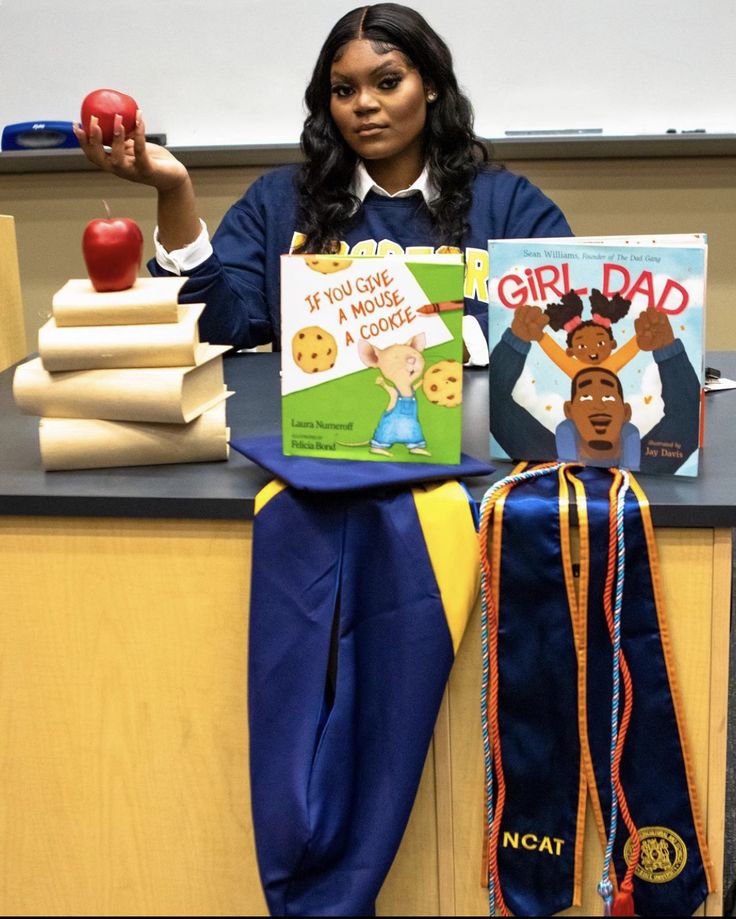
188, 257
363, 183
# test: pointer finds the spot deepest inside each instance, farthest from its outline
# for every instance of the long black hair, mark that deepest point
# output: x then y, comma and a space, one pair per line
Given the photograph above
452, 152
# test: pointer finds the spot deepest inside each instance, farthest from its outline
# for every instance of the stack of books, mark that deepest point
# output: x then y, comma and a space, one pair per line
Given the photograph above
122, 379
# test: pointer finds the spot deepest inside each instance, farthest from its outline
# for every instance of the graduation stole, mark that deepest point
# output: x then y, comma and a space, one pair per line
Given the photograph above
578, 695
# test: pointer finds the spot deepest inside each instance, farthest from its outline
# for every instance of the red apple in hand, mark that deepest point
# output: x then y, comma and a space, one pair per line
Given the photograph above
106, 104
112, 249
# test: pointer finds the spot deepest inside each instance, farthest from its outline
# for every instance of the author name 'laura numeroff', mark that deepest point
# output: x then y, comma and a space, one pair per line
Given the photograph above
322, 425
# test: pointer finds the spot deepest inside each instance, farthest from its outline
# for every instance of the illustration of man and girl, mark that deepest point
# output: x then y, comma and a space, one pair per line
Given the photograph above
597, 428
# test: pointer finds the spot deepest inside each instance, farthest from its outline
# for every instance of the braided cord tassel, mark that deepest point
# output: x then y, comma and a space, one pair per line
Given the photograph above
623, 902
489, 682
605, 887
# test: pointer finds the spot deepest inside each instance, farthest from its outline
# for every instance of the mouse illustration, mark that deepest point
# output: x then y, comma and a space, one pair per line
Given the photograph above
401, 368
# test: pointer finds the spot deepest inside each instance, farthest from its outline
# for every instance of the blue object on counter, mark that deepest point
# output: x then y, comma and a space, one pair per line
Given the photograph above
314, 473
38, 135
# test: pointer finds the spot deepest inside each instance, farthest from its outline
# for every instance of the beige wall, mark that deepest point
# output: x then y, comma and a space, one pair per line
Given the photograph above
598, 196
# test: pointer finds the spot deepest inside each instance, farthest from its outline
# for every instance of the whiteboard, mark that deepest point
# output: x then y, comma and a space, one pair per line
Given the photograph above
233, 72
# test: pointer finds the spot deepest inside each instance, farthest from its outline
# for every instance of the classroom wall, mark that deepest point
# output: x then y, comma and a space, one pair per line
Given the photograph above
616, 196
211, 78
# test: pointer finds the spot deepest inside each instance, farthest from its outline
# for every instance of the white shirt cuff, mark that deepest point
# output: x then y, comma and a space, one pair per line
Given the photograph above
185, 259
475, 342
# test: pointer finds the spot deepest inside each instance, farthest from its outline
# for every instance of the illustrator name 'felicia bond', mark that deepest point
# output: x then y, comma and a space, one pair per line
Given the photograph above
553, 281
298, 443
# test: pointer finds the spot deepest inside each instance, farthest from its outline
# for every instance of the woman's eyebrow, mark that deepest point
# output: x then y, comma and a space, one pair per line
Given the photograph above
377, 71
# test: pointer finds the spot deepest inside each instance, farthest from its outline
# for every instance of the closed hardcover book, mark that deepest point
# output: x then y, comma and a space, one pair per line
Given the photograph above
148, 301
597, 350
372, 357
170, 344
163, 394
93, 443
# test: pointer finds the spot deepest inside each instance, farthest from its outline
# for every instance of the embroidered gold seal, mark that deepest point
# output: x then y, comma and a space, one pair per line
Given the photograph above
663, 854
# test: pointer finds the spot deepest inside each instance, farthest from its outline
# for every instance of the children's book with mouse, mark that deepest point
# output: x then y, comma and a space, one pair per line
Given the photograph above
371, 365
596, 350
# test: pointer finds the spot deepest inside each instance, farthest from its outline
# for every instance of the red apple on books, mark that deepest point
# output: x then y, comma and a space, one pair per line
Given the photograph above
106, 104
112, 250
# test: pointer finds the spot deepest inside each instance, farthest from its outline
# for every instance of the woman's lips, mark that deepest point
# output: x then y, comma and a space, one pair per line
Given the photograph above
368, 130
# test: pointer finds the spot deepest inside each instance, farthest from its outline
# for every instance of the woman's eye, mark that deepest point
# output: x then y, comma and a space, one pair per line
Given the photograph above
341, 91
389, 82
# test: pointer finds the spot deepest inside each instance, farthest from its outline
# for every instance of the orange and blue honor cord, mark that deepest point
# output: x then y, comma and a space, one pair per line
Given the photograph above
618, 573
664, 864
489, 682
617, 563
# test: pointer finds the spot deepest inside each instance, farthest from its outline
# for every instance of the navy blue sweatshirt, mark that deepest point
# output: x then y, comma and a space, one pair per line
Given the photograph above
240, 281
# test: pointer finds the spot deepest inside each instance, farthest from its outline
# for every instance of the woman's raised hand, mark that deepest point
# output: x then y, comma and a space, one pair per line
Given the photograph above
132, 157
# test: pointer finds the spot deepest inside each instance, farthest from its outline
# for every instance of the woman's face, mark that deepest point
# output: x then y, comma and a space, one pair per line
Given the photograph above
378, 102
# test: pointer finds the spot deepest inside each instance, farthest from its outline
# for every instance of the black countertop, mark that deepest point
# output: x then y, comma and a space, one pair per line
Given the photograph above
226, 490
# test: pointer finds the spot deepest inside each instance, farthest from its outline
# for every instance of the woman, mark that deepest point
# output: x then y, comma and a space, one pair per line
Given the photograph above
391, 164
